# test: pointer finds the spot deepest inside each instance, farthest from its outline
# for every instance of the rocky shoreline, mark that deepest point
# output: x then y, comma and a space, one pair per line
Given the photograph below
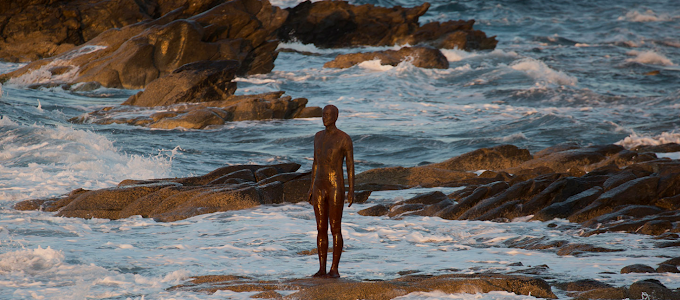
188, 54
600, 189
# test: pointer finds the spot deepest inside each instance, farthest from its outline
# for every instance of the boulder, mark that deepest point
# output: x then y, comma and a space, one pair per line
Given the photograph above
637, 268
201, 81
421, 57
376, 210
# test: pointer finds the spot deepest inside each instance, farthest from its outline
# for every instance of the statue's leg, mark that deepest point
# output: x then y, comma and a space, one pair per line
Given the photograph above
335, 217
321, 213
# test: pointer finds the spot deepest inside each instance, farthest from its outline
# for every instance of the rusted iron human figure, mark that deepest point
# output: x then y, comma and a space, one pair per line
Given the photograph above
327, 193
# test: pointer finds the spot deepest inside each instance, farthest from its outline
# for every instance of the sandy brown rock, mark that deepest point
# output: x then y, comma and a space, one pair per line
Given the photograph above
133, 55
311, 288
457, 168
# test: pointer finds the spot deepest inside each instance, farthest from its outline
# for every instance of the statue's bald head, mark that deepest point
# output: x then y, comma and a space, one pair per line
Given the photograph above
329, 114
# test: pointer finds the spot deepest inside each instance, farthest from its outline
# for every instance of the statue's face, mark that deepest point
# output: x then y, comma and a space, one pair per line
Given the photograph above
329, 115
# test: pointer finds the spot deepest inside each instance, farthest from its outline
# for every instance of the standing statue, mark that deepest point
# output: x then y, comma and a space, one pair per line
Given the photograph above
327, 193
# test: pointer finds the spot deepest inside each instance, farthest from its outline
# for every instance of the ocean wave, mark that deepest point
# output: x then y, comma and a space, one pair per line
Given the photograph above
649, 57
30, 261
543, 74
634, 140
40, 161
646, 16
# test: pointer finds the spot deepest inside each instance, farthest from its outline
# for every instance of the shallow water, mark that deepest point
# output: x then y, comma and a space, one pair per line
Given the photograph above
570, 72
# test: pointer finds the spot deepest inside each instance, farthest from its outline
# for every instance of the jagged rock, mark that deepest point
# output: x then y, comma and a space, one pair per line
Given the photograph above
134, 55
567, 207
376, 210
637, 268
201, 81
37, 29
333, 24
637, 191
421, 57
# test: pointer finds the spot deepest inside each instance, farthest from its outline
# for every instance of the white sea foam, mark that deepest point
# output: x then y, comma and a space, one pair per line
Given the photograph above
634, 140
646, 16
374, 65
58, 159
649, 57
472, 295
44, 75
457, 55
543, 74
30, 261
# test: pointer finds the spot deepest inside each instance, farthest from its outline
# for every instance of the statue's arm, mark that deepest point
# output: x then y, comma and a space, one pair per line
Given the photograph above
311, 187
349, 158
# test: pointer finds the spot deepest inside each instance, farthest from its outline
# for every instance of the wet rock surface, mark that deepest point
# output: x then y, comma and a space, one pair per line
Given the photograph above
199, 115
606, 188
311, 288
421, 57
133, 55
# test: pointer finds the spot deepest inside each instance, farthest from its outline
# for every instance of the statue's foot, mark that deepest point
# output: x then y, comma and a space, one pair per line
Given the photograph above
320, 274
332, 274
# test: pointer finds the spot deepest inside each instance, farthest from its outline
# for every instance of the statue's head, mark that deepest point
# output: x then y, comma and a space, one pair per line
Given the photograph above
329, 115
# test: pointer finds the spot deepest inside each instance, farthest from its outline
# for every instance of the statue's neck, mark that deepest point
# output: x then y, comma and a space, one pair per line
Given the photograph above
331, 128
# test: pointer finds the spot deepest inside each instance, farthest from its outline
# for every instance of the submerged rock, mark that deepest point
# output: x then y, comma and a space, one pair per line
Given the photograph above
421, 57
198, 115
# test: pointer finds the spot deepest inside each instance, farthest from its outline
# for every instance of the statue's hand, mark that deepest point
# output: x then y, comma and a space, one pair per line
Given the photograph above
350, 198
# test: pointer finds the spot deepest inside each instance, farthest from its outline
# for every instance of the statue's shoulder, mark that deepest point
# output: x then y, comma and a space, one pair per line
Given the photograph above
345, 136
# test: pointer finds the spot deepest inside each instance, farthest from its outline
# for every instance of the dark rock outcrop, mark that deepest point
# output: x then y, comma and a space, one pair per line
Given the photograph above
334, 24
421, 57
620, 191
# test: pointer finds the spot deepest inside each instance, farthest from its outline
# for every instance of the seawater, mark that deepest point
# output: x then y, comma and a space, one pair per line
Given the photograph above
562, 72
